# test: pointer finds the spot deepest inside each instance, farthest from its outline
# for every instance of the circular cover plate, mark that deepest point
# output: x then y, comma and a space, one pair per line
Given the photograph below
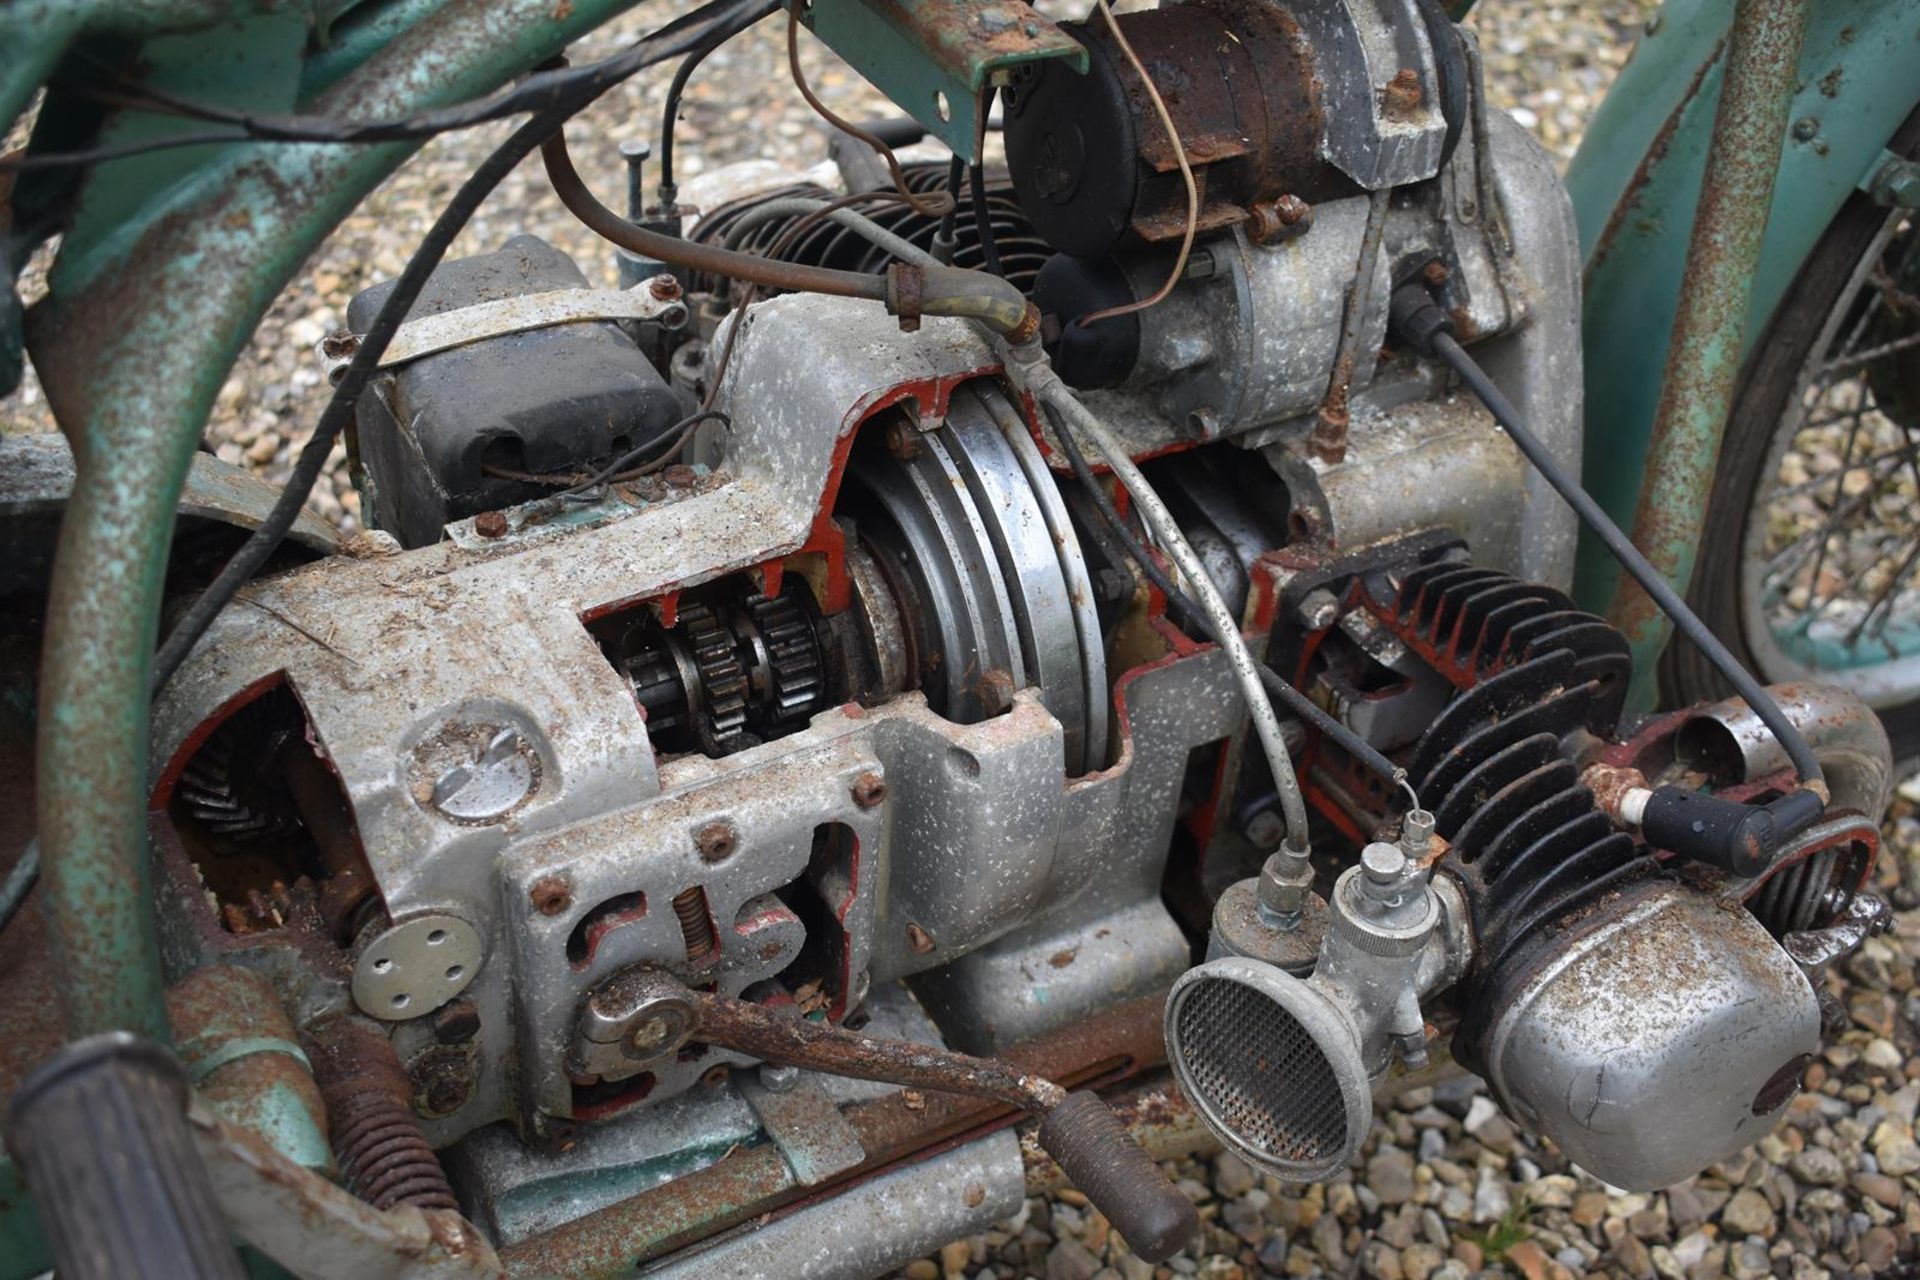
415, 967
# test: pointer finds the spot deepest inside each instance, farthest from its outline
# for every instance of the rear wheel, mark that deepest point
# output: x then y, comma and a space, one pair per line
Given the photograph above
1809, 563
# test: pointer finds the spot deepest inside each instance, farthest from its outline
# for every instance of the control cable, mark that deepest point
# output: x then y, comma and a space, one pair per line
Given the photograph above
1420, 322
1297, 702
1027, 363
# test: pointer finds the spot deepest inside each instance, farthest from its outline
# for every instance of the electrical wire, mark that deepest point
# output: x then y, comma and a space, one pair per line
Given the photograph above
669, 190
261, 543
536, 92
977, 187
675, 437
1105, 8
1806, 766
19, 882
926, 208
1192, 615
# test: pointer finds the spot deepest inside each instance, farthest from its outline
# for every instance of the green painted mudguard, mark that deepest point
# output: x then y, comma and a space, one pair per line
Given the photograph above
1636, 179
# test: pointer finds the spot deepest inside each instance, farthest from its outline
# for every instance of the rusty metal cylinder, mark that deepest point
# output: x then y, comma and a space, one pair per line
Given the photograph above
383, 1155
1091, 161
244, 1058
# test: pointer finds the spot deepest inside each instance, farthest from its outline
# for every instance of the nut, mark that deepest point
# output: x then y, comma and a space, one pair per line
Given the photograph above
869, 789
490, 524
550, 895
903, 442
996, 691
1319, 610
1402, 95
665, 288
1281, 218
716, 841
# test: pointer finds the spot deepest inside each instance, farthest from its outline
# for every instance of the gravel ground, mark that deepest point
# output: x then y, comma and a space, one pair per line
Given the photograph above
1446, 1186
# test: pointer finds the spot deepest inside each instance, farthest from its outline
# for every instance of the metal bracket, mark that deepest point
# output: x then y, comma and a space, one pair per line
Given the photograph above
816, 1139
462, 326
933, 57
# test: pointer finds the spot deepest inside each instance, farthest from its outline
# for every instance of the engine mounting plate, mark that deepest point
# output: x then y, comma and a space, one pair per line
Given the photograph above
933, 57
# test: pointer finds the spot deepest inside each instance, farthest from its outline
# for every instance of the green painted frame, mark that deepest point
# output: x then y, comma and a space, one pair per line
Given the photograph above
1635, 183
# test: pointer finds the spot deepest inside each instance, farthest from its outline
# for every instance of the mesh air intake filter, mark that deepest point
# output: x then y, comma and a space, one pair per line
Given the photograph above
1272, 1065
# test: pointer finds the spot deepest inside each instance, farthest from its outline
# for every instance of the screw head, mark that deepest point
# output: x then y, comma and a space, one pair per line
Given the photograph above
869, 789
1806, 128
716, 841
664, 287
1383, 863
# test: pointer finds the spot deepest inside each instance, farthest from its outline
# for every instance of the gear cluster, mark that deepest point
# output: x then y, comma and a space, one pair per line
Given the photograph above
728, 673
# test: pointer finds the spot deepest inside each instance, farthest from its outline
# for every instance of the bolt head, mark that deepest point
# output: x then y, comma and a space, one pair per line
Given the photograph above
1806, 128
1319, 610
869, 789
1384, 864
490, 524
716, 841
664, 287
550, 895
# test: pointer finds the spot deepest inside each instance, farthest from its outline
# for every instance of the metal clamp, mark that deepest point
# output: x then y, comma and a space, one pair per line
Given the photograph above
430, 335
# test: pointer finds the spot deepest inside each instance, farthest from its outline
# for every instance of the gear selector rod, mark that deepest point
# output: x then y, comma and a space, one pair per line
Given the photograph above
1077, 1129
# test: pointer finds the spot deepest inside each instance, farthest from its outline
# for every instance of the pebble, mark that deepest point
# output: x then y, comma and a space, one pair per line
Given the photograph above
1390, 1174
1818, 1166
1748, 1214
1491, 1199
1069, 1260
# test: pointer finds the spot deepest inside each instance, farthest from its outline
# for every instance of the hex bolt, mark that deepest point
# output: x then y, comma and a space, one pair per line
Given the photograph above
1319, 610
903, 442
491, 524
1413, 1050
1286, 880
869, 789
1416, 834
716, 841
1897, 184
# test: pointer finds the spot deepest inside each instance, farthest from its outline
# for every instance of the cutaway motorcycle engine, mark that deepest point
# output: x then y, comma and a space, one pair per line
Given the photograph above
777, 653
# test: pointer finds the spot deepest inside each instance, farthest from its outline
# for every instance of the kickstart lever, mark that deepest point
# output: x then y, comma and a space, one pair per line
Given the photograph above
1077, 1129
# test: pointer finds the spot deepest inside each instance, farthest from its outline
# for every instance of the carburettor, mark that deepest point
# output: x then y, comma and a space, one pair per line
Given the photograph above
775, 651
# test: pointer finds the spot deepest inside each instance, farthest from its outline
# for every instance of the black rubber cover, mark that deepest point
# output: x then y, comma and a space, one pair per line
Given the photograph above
101, 1131
566, 397
1121, 1180
1738, 838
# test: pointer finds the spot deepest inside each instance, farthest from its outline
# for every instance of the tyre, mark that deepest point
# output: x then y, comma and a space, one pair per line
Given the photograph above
1809, 564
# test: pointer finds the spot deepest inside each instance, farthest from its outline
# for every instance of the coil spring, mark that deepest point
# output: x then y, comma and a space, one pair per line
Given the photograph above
1528, 842
383, 1156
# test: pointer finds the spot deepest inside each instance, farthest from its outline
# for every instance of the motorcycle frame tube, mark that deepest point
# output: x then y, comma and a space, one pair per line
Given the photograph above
131, 360
1635, 183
